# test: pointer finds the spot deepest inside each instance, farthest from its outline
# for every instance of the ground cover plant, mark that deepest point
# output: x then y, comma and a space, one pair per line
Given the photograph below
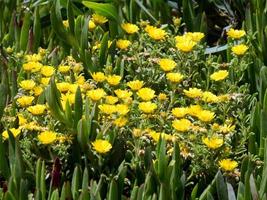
140, 112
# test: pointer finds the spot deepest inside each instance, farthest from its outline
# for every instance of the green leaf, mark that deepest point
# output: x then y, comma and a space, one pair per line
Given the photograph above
113, 191
4, 169
221, 187
106, 9
76, 182
103, 52
36, 29
78, 107
24, 35
230, 191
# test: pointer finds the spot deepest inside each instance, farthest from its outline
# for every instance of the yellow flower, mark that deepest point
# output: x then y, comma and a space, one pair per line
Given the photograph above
224, 97
96, 94
194, 110
27, 84
122, 109
213, 142
73, 87
32, 66
155, 33
113, 80
236, 34
146, 94
99, 19
15, 132
123, 94
228, 164
147, 107
130, 28
206, 115
77, 68
68, 96
182, 38
175, 77
45, 81
98, 77
179, 112
37, 109
120, 122
186, 46
32, 126
80, 80
156, 136
37, 90
162, 97
176, 21
123, 44
22, 119
135, 85
101, 146
91, 25
111, 100
226, 128
107, 109
193, 92
47, 137
181, 125
195, 36
33, 58
64, 68
209, 97
219, 75
66, 23
63, 87
25, 101
137, 132
239, 49
47, 71
167, 64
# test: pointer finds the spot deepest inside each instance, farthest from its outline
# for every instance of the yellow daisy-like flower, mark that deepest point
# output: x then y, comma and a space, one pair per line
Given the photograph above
107, 109
147, 107
209, 97
195, 36
155, 33
122, 109
175, 77
219, 75
101, 146
99, 19
45, 81
146, 94
27, 84
47, 137
167, 64
33, 57
181, 125
137, 132
25, 101
130, 28
176, 21
120, 122
91, 25
64, 69
213, 142
68, 97
162, 97
63, 86
32, 66
206, 115
123, 94
193, 110
236, 34
22, 119
123, 44
111, 100
37, 109
47, 71
186, 45
15, 132
226, 128
37, 90
113, 80
228, 164
193, 92
239, 49
96, 94
135, 85
180, 112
